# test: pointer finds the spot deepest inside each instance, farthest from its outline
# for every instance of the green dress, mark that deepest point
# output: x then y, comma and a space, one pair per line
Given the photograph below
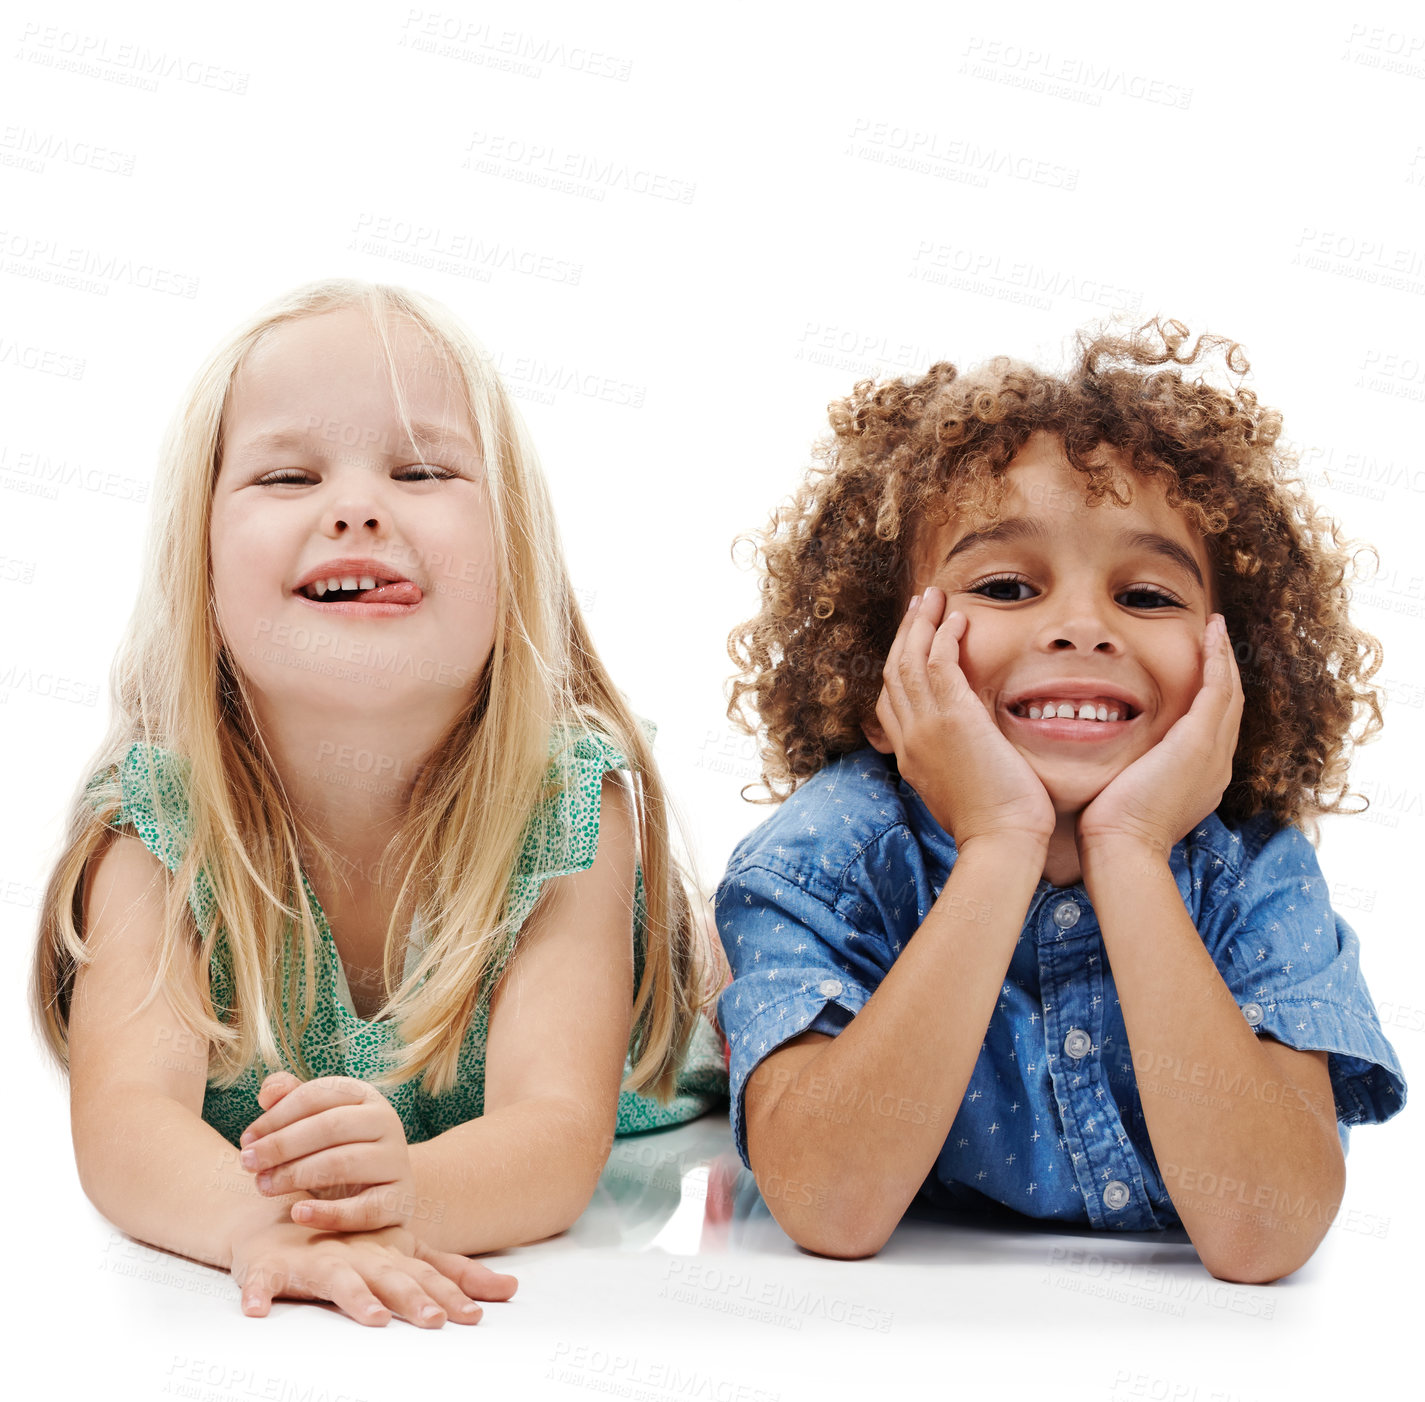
339, 1043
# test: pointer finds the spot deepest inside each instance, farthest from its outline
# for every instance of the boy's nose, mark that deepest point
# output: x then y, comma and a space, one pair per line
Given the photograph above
1080, 626
1103, 645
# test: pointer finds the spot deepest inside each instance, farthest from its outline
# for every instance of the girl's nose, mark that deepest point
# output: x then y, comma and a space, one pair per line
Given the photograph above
357, 505
342, 518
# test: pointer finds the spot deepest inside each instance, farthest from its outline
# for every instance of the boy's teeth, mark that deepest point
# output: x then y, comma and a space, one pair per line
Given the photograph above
1066, 710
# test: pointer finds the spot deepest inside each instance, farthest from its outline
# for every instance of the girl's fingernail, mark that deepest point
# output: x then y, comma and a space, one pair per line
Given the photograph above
302, 1211
915, 599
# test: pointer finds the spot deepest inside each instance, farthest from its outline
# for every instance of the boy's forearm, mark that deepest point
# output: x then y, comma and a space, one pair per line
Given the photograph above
164, 1175
849, 1139
1271, 1142
514, 1175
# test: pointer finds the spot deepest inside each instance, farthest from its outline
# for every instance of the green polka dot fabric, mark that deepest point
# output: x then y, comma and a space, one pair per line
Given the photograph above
563, 837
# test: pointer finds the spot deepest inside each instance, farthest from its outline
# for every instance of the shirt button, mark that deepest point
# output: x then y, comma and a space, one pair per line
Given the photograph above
1077, 1043
1252, 1012
1115, 1195
829, 987
1066, 914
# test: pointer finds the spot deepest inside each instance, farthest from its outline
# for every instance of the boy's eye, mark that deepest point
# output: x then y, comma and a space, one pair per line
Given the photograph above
991, 588
1004, 589
1146, 596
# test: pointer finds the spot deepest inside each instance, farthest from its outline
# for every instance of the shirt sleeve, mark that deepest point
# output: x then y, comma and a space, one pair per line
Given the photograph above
793, 957
1293, 966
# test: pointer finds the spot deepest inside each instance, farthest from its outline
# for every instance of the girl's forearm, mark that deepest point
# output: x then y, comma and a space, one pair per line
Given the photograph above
853, 1129
1254, 1164
517, 1174
162, 1174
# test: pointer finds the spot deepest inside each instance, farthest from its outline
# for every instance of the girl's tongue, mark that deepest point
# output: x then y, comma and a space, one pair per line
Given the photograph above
401, 592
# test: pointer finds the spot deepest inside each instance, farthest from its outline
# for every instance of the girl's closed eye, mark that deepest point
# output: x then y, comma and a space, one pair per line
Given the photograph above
1149, 596
296, 476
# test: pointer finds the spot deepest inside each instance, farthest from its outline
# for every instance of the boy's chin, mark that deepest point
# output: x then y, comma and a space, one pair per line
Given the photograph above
1071, 794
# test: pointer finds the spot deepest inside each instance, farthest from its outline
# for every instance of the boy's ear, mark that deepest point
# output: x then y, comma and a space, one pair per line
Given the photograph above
876, 736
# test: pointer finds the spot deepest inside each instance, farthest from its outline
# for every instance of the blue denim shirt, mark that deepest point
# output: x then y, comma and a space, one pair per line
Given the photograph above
818, 902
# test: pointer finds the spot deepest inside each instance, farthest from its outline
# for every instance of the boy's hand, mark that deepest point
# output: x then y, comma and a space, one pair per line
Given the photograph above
947, 745
1165, 793
338, 1138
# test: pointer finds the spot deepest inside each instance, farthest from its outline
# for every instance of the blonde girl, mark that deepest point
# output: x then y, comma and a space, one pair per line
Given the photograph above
367, 934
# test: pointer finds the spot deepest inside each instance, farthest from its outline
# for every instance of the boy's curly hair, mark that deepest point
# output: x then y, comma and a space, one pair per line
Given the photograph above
905, 456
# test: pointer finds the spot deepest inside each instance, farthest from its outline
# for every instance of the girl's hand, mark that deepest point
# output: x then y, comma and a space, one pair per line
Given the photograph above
369, 1275
1167, 792
339, 1139
947, 745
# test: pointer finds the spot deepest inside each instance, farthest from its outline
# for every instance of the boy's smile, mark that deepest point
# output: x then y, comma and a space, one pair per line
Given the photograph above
1076, 612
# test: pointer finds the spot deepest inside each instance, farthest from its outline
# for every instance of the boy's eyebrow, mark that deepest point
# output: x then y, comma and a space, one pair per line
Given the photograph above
422, 434
1020, 528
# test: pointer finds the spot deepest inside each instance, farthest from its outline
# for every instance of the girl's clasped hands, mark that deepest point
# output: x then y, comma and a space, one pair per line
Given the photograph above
341, 1141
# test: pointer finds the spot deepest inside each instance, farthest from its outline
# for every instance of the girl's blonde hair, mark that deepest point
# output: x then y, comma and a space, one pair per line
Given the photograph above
174, 685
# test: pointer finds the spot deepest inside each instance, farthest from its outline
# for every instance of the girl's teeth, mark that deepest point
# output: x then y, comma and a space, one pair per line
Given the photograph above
348, 582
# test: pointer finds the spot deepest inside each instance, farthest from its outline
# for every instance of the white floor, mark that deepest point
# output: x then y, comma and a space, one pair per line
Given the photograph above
678, 1284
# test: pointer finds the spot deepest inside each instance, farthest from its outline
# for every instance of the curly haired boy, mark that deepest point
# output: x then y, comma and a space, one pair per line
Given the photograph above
1052, 672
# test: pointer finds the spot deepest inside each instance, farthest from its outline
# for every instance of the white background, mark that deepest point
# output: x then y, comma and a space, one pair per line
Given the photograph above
674, 357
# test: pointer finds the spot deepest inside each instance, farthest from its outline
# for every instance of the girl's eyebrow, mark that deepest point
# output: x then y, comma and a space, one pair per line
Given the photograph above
422, 435
1020, 528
